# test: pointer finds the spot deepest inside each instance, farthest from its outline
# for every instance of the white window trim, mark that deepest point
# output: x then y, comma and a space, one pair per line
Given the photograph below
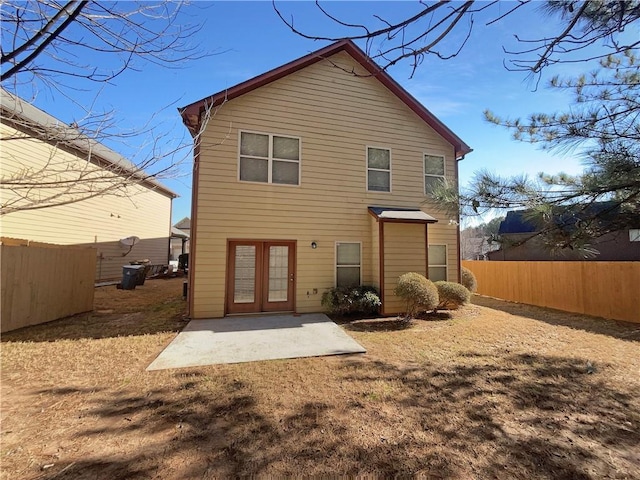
270, 159
366, 154
446, 258
335, 261
424, 170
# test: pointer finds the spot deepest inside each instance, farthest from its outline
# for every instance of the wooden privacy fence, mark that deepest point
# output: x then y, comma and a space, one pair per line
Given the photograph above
602, 289
42, 282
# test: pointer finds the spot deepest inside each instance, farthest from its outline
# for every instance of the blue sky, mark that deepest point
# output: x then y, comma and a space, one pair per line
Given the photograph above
250, 39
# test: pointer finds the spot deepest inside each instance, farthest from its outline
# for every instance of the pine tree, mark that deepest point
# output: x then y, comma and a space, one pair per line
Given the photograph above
603, 123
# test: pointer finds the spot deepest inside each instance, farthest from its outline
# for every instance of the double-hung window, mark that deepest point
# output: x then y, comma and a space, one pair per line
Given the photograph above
348, 264
269, 158
433, 172
437, 262
378, 169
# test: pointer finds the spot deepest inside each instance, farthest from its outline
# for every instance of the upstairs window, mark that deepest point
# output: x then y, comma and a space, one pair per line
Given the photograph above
433, 172
269, 158
378, 169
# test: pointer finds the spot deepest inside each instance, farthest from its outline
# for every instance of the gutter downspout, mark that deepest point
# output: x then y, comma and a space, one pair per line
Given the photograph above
194, 229
458, 220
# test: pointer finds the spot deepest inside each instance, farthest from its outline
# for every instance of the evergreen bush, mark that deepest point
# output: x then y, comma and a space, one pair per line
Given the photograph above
419, 293
362, 300
468, 279
452, 295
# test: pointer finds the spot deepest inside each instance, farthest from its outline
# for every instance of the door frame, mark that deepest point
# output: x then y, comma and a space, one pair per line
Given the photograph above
257, 306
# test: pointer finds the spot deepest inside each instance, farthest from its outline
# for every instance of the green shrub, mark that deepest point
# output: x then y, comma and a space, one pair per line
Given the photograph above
468, 279
452, 295
352, 300
419, 293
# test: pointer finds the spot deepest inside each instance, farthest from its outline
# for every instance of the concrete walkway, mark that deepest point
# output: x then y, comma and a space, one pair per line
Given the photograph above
250, 339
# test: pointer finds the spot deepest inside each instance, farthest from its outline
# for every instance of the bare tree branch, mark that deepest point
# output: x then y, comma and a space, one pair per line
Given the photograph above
41, 44
76, 168
35, 43
20, 65
582, 24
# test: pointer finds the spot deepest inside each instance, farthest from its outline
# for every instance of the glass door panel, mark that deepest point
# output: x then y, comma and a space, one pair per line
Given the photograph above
278, 273
244, 290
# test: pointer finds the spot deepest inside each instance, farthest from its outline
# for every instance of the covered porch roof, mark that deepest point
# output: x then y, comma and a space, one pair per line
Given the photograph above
401, 215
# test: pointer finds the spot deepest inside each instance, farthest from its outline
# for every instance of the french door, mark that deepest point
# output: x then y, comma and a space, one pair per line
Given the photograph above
260, 276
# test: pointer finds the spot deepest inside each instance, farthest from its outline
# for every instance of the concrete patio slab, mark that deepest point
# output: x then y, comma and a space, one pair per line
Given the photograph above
254, 338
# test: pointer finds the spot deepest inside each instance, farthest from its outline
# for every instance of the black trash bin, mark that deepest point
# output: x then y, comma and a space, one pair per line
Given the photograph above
142, 272
183, 262
130, 276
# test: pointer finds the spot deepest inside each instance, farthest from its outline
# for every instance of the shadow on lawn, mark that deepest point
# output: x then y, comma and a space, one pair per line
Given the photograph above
612, 328
511, 416
165, 317
376, 325
388, 324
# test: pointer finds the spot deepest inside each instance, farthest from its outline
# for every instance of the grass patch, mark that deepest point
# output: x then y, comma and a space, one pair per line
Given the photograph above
492, 390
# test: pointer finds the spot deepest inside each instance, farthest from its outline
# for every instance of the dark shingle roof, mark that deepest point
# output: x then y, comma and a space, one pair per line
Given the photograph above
527, 221
515, 222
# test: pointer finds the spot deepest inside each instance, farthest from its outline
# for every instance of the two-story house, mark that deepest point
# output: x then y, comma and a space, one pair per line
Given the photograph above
312, 175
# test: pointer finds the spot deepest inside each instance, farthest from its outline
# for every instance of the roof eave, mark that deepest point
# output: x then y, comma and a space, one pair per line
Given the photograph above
192, 112
19, 109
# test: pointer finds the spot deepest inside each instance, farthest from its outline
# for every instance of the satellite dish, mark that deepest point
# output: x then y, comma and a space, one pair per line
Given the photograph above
129, 241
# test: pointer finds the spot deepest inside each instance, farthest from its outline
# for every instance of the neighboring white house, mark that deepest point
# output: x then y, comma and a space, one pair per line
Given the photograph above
131, 224
180, 234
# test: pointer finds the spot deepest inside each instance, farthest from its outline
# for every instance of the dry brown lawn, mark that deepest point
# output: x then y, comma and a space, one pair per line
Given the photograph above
496, 390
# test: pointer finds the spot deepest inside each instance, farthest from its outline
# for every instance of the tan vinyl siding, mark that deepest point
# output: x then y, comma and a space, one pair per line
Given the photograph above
445, 234
404, 251
100, 221
335, 115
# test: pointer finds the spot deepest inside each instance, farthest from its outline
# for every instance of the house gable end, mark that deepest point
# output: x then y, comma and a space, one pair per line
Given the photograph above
191, 113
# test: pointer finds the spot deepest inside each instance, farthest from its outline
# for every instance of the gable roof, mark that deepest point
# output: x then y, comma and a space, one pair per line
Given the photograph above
184, 224
516, 222
528, 221
191, 113
47, 128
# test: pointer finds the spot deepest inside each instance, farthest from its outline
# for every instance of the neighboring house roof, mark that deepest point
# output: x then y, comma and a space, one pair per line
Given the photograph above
515, 222
184, 224
524, 221
177, 233
49, 129
192, 112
